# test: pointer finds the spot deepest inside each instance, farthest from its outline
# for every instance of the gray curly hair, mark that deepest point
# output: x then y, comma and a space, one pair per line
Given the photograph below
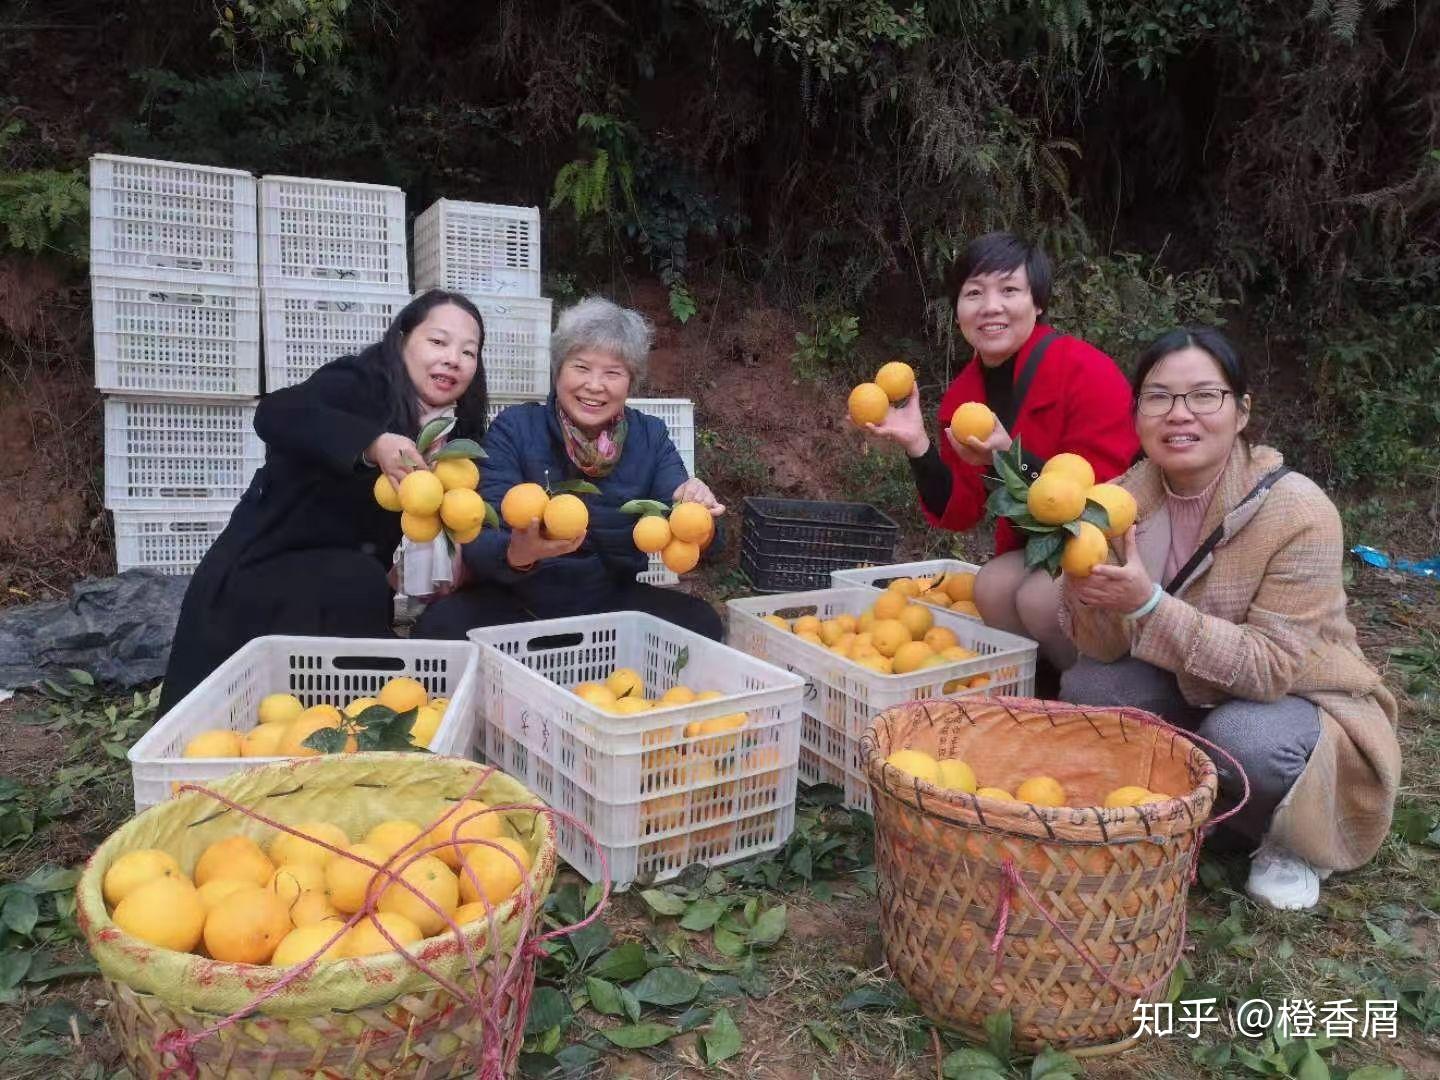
597, 323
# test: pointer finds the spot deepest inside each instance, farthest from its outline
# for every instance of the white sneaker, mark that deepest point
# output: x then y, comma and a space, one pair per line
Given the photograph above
1281, 879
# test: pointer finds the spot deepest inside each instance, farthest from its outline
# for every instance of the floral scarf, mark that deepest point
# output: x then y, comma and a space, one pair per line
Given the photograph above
593, 457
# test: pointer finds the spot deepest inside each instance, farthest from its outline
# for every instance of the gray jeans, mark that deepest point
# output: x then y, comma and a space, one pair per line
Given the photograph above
1271, 740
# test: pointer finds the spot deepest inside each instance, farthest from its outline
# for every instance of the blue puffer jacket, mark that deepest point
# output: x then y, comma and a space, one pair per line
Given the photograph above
524, 443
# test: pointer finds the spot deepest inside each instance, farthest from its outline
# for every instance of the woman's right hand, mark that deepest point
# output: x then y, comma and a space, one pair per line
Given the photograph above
904, 425
529, 546
396, 456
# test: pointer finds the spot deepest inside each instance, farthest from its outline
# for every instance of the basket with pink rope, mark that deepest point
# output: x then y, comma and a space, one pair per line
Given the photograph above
451, 1003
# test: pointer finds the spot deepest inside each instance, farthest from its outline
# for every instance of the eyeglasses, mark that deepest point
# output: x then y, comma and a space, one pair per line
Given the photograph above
1200, 402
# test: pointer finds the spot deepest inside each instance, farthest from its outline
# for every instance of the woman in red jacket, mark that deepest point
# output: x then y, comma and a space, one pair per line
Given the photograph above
1052, 392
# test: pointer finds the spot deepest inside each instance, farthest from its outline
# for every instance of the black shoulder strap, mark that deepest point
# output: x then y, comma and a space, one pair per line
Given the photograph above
1027, 376
1266, 483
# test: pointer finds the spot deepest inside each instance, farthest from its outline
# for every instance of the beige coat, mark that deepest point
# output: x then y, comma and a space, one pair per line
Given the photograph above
1262, 617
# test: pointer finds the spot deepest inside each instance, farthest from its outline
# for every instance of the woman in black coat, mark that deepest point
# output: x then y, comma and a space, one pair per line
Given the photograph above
308, 550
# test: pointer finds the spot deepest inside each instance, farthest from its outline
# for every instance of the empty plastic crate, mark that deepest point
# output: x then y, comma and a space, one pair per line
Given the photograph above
170, 542
332, 234
794, 544
655, 798
316, 670
166, 219
157, 337
478, 248
842, 697
165, 454
517, 345
307, 328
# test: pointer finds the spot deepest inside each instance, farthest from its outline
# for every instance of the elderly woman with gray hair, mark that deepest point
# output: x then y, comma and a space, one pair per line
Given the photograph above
584, 431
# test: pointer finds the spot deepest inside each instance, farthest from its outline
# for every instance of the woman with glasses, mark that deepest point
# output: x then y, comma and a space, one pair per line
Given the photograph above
1053, 392
1226, 616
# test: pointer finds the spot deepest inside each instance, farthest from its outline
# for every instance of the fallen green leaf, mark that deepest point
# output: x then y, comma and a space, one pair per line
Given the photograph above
636, 1036
663, 903
667, 986
722, 1040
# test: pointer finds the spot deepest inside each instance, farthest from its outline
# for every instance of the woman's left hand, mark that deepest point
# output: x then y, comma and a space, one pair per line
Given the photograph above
1123, 588
696, 490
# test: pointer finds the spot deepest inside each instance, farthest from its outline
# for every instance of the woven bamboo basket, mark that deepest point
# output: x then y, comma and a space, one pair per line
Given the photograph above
356, 1018
978, 896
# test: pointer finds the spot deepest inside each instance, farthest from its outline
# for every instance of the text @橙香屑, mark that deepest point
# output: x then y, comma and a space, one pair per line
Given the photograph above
1296, 1018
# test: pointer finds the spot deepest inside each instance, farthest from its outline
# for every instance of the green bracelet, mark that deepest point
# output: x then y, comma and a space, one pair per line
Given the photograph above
1156, 595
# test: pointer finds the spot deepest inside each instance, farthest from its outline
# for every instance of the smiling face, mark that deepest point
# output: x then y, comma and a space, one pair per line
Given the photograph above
997, 313
442, 354
1190, 448
591, 386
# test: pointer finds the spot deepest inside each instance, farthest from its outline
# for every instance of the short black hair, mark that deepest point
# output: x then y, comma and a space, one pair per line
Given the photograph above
1001, 253
1205, 338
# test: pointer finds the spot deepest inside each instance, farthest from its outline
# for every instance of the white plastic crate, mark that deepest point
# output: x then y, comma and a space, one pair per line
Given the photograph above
516, 353
679, 417
879, 577
158, 337
841, 697
166, 454
317, 670
478, 248
655, 800
172, 543
306, 328
165, 219
331, 234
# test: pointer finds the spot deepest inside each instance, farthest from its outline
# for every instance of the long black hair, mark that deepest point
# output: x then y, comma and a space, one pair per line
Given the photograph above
388, 355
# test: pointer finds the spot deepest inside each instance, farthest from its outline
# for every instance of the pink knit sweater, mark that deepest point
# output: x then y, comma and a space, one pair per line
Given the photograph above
1187, 514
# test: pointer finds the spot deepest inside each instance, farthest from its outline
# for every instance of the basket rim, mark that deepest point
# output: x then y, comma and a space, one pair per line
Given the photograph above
756, 503
1179, 815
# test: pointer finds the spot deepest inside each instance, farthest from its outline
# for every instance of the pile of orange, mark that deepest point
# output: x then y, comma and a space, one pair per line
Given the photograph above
956, 775
1058, 496
283, 904
441, 497
679, 539
871, 401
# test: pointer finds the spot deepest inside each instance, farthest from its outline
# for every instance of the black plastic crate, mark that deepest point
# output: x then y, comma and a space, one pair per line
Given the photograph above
790, 545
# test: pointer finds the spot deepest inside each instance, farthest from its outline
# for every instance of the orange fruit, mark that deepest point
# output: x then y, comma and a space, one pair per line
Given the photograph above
1129, 795
940, 638
461, 826
966, 607
1041, 791
625, 682
1118, 503
994, 793
917, 620
432, 878
313, 907
1073, 466
868, 404
263, 740
310, 721
889, 604
651, 534
777, 622
165, 912
960, 586
495, 874
897, 379
889, 635
135, 868
290, 882
1084, 552
909, 657
691, 522
906, 587
457, 474
680, 556
247, 926
212, 744
462, 510
236, 857
973, 419
303, 942
365, 939
1055, 498
346, 880
386, 494
403, 694
212, 892
522, 504
917, 763
565, 517
421, 493
288, 848
956, 775
421, 528
391, 836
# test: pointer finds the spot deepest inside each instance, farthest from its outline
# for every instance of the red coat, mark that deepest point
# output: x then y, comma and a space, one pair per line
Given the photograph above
1078, 402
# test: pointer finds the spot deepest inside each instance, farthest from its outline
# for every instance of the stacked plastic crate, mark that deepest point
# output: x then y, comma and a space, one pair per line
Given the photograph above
491, 254
333, 271
176, 299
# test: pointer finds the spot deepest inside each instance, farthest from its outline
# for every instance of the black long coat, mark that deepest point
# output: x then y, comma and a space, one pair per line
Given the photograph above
307, 548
